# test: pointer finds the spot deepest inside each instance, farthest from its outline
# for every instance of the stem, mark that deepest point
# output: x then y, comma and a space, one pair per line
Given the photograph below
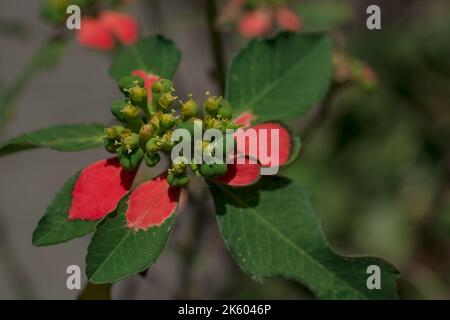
190, 250
96, 292
216, 44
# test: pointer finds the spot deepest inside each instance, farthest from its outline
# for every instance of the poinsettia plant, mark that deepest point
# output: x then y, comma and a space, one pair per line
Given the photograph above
267, 222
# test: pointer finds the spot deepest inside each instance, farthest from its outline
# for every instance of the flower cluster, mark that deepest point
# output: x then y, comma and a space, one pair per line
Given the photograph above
256, 18
148, 119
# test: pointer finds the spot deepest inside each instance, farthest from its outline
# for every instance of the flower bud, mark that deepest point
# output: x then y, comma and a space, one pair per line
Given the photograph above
213, 170
166, 100
155, 122
177, 180
213, 123
130, 161
146, 132
162, 85
212, 105
166, 142
189, 109
152, 160
153, 145
130, 141
125, 83
130, 113
138, 96
178, 168
111, 146
225, 113
114, 132
167, 121
116, 109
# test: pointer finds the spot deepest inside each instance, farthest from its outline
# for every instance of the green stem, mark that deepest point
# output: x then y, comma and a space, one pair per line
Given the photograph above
216, 44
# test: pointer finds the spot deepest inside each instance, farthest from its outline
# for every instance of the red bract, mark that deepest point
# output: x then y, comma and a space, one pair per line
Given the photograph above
94, 34
148, 78
255, 23
100, 32
151, 204
122, 26
240, 175
287, 19
284, 144
98, 189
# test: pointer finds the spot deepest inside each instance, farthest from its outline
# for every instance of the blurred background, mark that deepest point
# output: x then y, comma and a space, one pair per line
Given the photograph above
375, 154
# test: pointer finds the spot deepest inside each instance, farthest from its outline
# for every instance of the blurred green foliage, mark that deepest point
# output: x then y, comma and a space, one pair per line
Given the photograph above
378, 165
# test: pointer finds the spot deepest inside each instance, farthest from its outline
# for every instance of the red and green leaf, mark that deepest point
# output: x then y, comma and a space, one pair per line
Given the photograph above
55, 226
83, 201
132, 239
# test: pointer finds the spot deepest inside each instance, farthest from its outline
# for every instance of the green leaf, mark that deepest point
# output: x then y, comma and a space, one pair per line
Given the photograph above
117, 251
280, 78
271, 230
156, 55
55, 227
70, 137
47, 57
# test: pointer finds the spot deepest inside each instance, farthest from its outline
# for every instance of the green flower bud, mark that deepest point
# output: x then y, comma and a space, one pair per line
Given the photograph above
166, 143
125, 83
178, 168
213, 170
213, 123
166, 100
130, 161
225, 111
114, 132
112, 138
167, 121
146, 132
189, 109
130, 141
212, 105
177, 180
227, 124
138, 96
131, 113
152, 160
153, 145
116, 109
162, 85
155, 120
